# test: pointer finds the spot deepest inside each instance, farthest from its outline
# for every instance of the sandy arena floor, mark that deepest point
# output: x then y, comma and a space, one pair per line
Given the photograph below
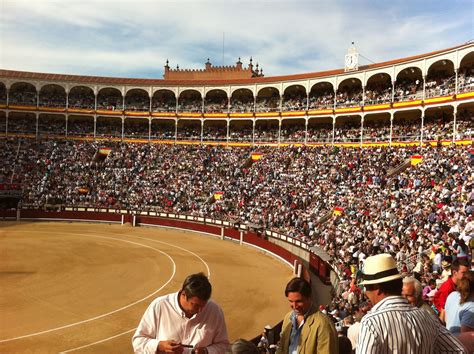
82, 288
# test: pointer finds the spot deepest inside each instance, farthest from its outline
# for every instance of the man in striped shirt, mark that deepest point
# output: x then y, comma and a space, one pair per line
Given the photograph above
393, 325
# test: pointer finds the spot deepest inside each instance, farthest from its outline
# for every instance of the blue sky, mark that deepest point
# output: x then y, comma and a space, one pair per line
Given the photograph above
134, 38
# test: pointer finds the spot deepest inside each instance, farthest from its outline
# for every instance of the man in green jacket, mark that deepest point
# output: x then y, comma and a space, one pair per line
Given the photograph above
305, 329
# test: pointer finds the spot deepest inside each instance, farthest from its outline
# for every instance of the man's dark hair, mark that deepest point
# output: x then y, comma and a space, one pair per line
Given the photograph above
393, 287
197, 285
298, 285
457, 263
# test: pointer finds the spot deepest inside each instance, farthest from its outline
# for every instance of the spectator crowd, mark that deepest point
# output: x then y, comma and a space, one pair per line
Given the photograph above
422, 214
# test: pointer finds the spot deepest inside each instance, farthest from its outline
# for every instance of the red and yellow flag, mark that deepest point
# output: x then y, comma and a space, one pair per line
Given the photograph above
416, 159
105, 151
218, 195
338, 211
256, 156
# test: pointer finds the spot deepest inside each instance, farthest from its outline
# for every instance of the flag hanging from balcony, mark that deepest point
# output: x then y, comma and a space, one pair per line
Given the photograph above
256, 156
416, 159
218, 195
337, 211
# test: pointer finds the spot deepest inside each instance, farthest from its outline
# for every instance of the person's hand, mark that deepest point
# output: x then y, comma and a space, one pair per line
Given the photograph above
169, 346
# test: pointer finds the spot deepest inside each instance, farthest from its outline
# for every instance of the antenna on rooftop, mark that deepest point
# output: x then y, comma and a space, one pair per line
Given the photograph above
223, 46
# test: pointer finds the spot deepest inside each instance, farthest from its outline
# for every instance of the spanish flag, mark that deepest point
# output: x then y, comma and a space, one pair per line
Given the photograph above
105, 151
218, 195
416, 159
256, 156
337, 211
83, 190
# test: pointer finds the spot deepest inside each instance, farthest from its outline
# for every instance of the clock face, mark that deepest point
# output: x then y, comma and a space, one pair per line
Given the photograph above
351, 61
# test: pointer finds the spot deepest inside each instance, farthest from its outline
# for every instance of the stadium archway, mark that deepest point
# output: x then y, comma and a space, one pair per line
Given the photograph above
81, 97
320, 130
163, 129
293, 130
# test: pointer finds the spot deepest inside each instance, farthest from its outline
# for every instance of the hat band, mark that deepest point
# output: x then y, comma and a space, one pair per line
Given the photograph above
380, 275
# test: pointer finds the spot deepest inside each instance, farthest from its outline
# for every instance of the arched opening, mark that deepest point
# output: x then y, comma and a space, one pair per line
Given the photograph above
466, 73
241, 130
190, 101
409, 85
52, 124
109, 127
242, 101
110, 99
465, 122
268, 100
266, 130
22, 94
80, 126
163, 101
320, 130
347, 129
137, 100
21, 123
189, 129
136, 128
216, 101
215, 130
294, 98
349, 93
438, 124
378, 89
406, 126
440, 80
321, 96
376, 128
52, 96
81, 97
162, 129
3, 123
3, 93
293, 130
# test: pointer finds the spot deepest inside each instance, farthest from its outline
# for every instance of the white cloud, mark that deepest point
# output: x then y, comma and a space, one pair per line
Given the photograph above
134, 38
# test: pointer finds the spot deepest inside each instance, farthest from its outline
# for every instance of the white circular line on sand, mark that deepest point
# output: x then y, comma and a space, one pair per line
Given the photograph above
181, 248
108, 313
98, 342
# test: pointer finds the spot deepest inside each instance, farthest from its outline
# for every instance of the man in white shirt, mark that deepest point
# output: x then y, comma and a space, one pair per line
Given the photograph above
183, 322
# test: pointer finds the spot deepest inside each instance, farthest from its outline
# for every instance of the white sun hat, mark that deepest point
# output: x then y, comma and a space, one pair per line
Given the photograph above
380, 269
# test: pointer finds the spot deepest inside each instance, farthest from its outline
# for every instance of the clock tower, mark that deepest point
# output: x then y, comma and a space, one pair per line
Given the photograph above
351, 62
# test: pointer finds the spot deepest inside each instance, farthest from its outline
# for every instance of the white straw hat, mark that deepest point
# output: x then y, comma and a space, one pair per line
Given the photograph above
380, 269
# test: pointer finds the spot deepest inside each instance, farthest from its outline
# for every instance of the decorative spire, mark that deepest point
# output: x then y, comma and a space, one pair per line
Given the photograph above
239, 62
